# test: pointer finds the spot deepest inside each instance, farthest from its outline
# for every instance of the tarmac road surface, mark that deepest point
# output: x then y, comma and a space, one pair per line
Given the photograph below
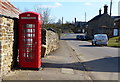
100, 61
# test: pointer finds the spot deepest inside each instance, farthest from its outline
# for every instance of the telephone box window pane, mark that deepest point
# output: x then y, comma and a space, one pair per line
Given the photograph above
27, 50
29, 25
28, 40
33, 30
33, 35
24, 55
28, 35
28, 30
27, 45
28, 53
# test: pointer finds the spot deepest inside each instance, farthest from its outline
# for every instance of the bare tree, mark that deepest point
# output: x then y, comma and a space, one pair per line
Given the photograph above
59, 21
46, 15
45, 12
26, 9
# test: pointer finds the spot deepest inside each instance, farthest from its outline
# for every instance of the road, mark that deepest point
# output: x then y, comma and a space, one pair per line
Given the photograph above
101, 62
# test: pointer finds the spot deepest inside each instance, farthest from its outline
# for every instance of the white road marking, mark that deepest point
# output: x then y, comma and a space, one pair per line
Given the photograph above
67, 71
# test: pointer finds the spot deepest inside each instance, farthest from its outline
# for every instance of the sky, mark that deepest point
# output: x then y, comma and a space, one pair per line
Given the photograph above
68, 9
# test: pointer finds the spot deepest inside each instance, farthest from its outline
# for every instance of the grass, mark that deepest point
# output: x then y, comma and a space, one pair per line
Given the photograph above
114, 42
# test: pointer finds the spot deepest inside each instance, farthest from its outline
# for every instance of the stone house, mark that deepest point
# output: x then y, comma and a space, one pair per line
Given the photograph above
102, 23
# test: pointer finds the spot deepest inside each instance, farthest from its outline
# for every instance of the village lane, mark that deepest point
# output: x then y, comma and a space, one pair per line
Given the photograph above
101, 62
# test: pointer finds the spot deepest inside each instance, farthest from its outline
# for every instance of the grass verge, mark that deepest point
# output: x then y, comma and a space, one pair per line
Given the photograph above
114, 42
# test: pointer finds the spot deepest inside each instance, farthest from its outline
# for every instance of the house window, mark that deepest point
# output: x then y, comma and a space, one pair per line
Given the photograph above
115, 32
114, 24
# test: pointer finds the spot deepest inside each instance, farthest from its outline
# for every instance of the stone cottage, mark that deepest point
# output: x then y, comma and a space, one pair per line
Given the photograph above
102, 23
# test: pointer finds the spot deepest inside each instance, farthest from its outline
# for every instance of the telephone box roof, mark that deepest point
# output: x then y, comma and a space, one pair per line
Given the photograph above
30, 12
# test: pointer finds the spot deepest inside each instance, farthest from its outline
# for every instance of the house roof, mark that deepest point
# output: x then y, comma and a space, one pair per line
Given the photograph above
9, 10
116, 18
96, 17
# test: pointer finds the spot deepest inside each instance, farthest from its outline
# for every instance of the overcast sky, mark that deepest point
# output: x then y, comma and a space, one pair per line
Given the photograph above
69, 9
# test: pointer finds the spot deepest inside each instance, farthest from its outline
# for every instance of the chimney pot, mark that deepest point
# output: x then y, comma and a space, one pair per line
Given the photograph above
75, 20
105, 9
100, 12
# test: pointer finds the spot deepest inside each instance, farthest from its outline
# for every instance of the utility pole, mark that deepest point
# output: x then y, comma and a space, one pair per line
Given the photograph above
85, 16
119, 8
111, 8
62, 20
62, 24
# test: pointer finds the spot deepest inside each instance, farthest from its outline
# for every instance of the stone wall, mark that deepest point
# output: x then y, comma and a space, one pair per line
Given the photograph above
51, 44
6, 44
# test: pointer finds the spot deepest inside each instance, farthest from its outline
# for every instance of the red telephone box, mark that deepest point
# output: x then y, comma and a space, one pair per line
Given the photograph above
30, 40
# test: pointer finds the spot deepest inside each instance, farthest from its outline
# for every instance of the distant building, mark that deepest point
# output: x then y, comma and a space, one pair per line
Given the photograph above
80, 26
119, 8
102, 23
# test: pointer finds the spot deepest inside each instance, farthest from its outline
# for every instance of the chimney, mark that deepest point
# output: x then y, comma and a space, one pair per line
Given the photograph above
100, 12
105, 9
75, 20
